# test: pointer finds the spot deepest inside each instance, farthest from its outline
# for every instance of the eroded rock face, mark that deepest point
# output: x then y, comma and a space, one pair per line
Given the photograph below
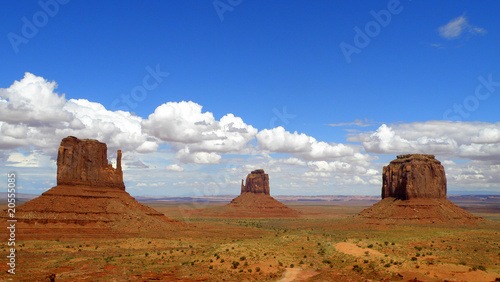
414, 176
255, 200
85, 162
257, 182
89, 200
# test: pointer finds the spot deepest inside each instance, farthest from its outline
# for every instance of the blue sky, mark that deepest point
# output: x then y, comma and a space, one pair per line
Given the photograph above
265, 77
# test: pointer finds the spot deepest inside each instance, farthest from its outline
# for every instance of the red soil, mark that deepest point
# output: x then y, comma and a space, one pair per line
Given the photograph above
417, 210
82, 211
260, 205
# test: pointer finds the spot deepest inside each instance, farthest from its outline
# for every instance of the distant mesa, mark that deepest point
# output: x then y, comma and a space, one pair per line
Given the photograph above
88, 201
414, 190
255, 200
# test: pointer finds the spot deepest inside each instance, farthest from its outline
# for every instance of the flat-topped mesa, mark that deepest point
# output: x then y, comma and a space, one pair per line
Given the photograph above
85, 162
257, 182
414, 176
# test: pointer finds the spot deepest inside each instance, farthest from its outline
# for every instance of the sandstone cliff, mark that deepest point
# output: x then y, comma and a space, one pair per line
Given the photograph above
85, 162
255, 200
414, 176
89, 200
257, 182
414, 190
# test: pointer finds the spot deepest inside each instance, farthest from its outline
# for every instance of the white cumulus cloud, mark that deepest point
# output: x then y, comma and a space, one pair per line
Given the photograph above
185, 156
278, 140
453, 139
174, 167
32, 114
197, 136
32, 100
34, 118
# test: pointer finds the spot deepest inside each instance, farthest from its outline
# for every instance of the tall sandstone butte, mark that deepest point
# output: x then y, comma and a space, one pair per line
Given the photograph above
414, 190
256, 201
89, 200
257, 182
414, 176
85, 162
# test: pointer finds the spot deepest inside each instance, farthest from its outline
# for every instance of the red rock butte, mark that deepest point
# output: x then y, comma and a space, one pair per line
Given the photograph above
414, 176
257, 182
414, 190
255, 200
89, 200
85, 162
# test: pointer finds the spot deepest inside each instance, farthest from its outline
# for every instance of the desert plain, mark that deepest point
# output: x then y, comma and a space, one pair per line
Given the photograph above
327, 242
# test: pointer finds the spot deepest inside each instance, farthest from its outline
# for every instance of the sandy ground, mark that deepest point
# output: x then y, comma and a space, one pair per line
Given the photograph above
324, 244
297, 274
352, 249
